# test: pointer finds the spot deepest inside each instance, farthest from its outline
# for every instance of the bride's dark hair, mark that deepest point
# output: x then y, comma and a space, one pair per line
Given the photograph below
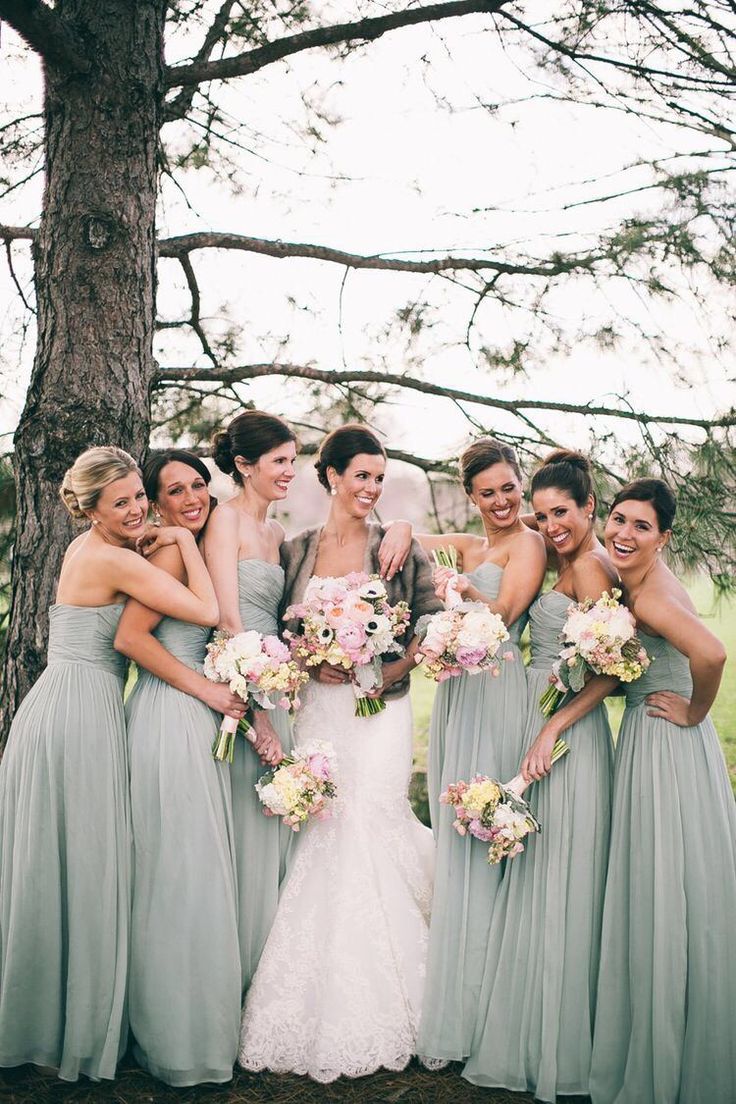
340, 446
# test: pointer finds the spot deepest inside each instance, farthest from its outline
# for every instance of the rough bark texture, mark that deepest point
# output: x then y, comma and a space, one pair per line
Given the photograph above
95, 278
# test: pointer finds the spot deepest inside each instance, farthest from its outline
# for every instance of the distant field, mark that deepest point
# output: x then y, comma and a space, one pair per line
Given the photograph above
721, 618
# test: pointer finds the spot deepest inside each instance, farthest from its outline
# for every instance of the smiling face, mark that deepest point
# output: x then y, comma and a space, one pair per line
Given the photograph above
633, 537
183, 496
561, 521
359, 487
120, 511
496, 491
271, 475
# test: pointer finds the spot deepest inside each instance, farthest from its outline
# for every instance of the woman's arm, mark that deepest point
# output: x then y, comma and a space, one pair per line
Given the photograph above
221, 548
538, 760
672, 619
134, 639
131, 574
522, 579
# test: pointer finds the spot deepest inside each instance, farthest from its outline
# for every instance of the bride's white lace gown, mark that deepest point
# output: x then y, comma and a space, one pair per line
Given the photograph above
338, 989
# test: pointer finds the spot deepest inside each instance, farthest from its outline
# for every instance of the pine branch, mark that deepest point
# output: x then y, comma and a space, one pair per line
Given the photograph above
46, 32
362, 30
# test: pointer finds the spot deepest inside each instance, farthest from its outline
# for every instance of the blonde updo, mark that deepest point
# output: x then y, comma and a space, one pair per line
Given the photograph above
90, 473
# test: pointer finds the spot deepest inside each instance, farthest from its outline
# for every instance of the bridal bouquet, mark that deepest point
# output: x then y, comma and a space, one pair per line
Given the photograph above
465, 637
256, 668
349, 623
599, 638
301, 785
495, 812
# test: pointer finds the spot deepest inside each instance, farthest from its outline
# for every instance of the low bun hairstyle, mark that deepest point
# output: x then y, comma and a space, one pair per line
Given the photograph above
654, 491
86, 479
341, 445
482, 454
157, 461
568, 471
250, 435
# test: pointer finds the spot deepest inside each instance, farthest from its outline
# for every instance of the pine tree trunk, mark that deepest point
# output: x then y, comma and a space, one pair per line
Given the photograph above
95, 287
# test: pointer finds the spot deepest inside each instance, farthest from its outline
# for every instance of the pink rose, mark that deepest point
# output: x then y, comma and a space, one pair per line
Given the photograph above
319, 765
276, 649
350, 636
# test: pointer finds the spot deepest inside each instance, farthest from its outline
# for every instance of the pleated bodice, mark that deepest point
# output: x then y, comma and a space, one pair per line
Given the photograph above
84, 635
547, 616
185, 641
260, 587
487, 579
669, 670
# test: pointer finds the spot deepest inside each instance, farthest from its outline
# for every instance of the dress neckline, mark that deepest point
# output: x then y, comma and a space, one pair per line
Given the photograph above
256, 559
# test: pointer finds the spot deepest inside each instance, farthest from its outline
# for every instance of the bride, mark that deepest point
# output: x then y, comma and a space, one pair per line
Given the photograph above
338, 989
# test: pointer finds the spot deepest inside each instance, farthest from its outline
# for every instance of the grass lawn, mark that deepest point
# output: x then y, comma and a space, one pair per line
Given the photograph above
720, 617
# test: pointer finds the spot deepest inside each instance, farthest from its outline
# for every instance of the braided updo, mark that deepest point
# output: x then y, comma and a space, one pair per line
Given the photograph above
91, 472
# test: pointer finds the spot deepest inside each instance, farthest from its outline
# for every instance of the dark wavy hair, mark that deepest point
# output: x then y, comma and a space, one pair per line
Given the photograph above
565, 470
157, 461
250, 435
654, 491
483, 454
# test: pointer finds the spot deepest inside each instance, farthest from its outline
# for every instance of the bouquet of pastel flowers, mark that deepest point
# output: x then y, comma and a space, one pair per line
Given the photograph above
257, 668
495, 812
465, 637
349, 623
301, 786
598, 638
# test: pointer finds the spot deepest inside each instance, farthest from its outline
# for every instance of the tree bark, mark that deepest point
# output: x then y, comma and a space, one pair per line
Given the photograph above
95, 260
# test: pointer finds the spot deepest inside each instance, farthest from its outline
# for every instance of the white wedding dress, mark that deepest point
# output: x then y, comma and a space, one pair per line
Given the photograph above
338, 989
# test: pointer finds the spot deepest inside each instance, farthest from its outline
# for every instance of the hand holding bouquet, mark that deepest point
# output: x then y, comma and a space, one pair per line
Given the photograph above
255, 668
465, 637
301, 785
348, 622
599, 638
495, 812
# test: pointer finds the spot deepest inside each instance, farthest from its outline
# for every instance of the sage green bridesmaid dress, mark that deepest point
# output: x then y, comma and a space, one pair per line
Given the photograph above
536, 1011
477, 727
184, 957
666, 1009
262, 843
65, 856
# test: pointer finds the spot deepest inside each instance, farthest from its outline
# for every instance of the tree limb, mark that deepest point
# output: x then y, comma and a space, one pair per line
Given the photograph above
363, 30
46, 32
17, 233
186, 243
179, 107
173, 376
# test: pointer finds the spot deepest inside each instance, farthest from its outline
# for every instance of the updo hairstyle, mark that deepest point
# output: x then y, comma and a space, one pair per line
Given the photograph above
86, 479
341, 445
654, 491
157, 461
482, 454
568, 471
250, 435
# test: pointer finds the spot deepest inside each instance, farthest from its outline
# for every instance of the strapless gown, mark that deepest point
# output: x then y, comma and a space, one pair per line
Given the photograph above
477, 727
537, 1002
261, 843
65, 852
339, 986
666, 1009
184, 958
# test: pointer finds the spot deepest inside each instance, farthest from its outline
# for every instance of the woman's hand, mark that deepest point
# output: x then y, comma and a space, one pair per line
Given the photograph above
538, 760
394, 548
391, 673
331, 676
671, 707
441, 576
159, 536
266, 744
219, 697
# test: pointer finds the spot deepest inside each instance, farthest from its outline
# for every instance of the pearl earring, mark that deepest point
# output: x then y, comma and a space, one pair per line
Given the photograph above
94, 521
333, 489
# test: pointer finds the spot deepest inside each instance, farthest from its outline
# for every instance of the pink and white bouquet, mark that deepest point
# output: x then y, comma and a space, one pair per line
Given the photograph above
598, 638
257, 668
495, 812
301, 786
349, 623
463, 638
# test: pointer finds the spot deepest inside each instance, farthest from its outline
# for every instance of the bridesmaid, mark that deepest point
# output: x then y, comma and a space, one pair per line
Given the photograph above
241, 550
184, 998
477, 727
535, 1016
664, 1029
64, 811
